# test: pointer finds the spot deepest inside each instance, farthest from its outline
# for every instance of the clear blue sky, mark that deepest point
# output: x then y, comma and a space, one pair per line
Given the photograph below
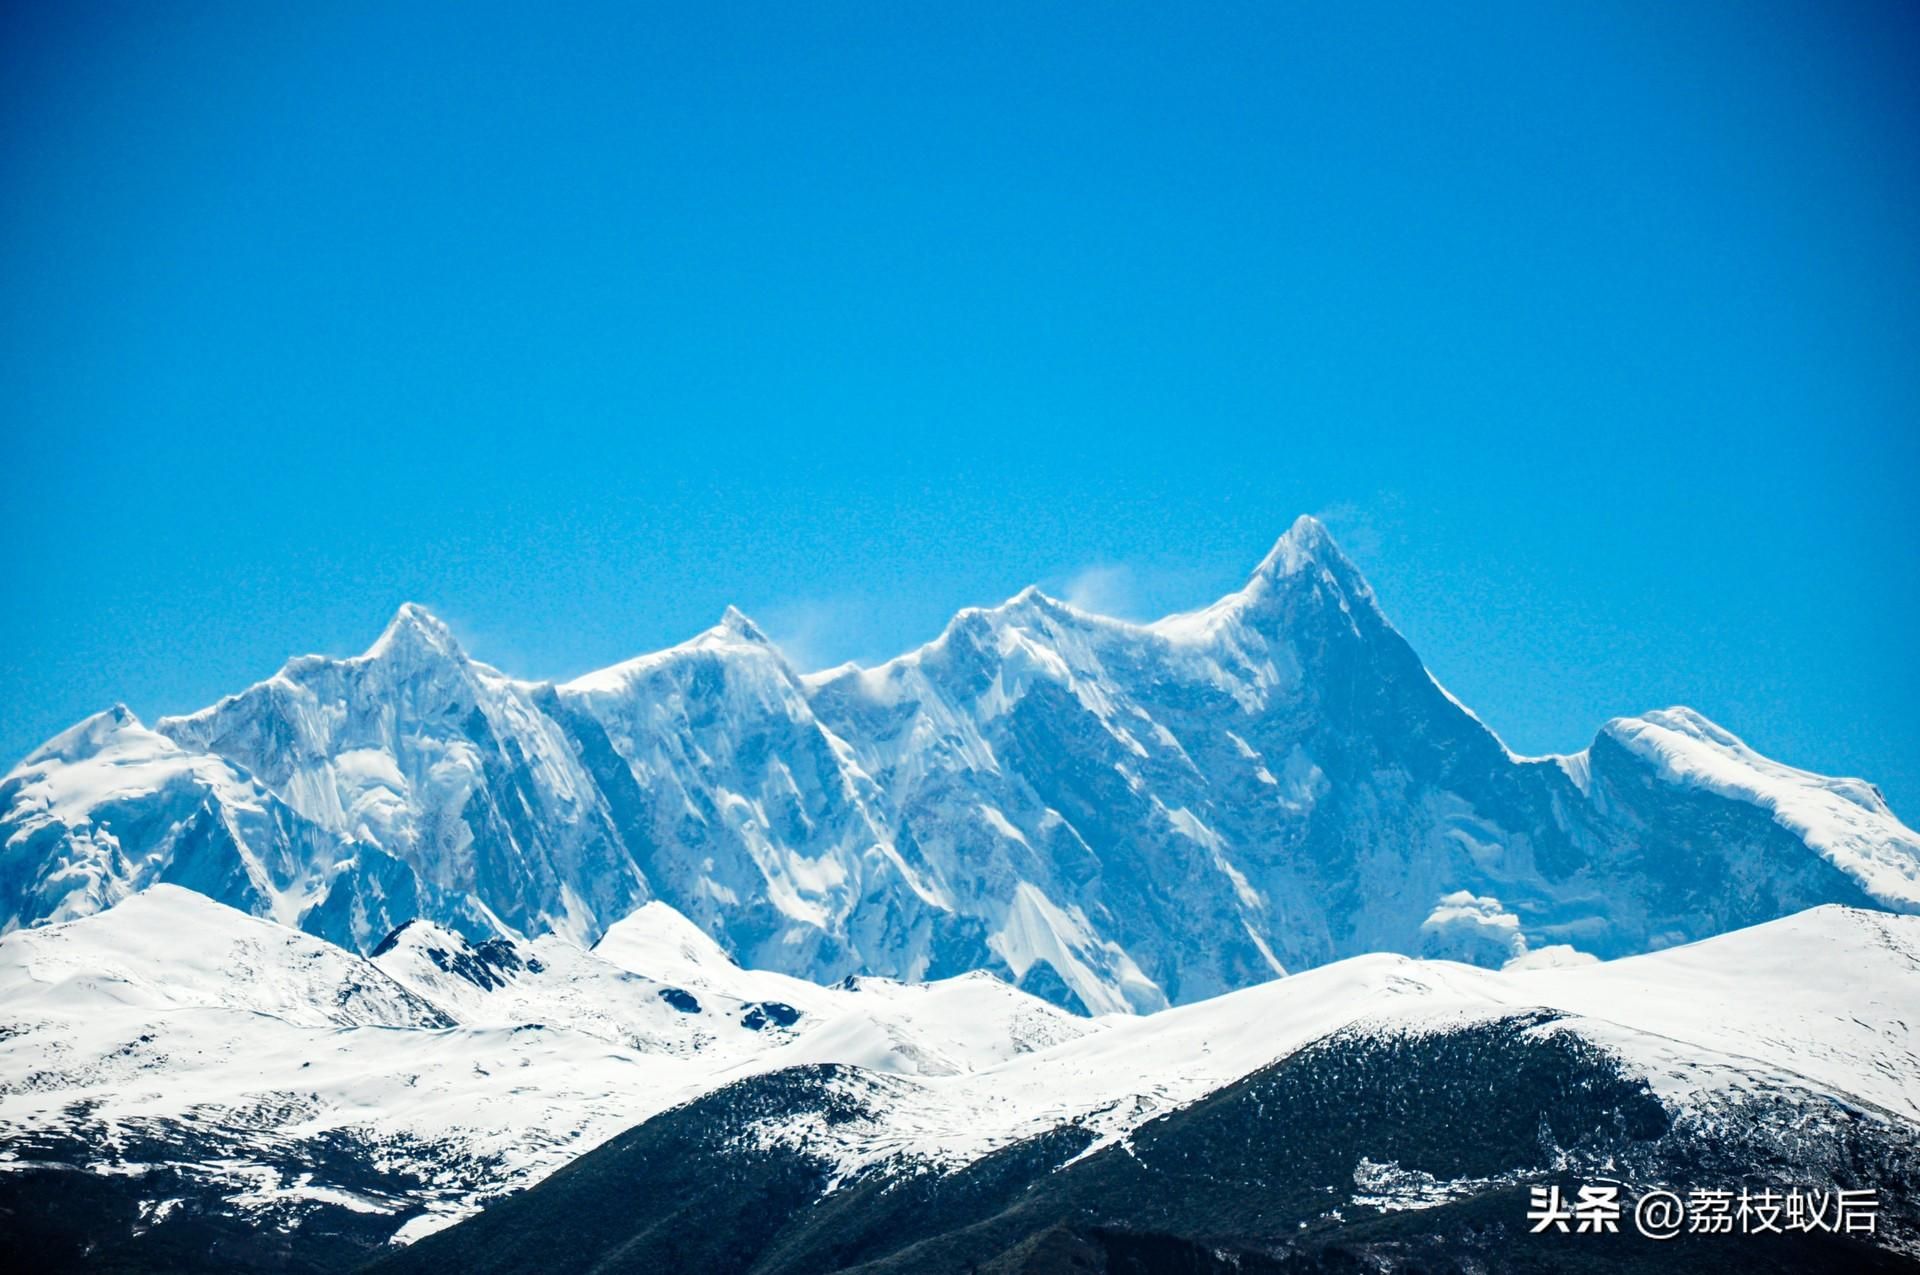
1593, 331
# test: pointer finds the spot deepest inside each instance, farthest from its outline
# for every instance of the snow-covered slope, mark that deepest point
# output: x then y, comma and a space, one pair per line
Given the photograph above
1826, 1001
1275, 782
280, 1074
746, 812
108, 807
1376, 1113
192, 1053
172, 949
1845, 821
1111, 815
445, 765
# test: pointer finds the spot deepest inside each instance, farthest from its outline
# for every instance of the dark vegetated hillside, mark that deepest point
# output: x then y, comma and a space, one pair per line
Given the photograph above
59, 1211
1257, 1177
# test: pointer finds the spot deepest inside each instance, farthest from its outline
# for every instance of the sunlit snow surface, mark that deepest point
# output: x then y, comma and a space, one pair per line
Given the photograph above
1114, 816
171, 1008
1845, 820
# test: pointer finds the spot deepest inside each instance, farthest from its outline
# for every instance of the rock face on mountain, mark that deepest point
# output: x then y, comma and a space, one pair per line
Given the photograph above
1114, 816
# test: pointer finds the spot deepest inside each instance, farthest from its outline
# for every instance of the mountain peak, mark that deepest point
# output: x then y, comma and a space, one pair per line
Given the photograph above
1846, 821
86, 736
1302, 554
1031, 598
734, 634
735, 624
416, 630
1307, 551
1306, 543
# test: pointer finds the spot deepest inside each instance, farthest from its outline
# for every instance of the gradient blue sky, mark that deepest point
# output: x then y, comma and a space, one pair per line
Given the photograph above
1592, 331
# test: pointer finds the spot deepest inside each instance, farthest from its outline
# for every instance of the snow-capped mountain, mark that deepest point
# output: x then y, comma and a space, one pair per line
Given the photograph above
443, 764
108, 805
747, 813
234, 1086
1114, 816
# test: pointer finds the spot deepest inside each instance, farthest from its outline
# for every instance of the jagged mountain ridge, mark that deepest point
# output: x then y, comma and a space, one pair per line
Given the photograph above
1117, 816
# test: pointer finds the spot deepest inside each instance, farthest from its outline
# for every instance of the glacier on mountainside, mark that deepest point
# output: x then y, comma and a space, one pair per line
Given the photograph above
1114, 816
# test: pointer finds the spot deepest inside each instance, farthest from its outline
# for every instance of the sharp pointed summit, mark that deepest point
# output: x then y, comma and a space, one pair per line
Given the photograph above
1304, 545
417, 630
734, 623
1302, 561
1034, 598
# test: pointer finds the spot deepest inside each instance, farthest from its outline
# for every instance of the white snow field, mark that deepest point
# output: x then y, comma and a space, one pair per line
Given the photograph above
175, 1018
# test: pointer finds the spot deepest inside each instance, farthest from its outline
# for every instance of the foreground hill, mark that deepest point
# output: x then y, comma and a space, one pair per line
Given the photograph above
184, 1084
1381, 1114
